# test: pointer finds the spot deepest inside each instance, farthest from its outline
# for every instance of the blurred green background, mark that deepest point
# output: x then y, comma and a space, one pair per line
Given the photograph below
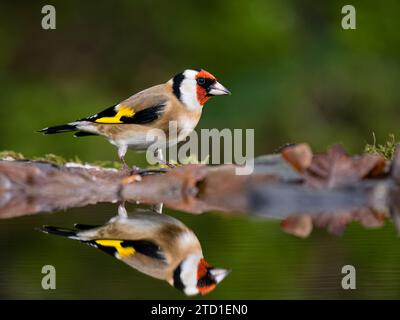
295, 75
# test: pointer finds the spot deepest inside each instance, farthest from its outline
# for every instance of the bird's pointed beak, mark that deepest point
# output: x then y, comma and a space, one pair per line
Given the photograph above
218, 89
219, 274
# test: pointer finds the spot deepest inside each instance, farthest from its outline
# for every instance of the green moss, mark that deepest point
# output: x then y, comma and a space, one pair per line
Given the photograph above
59, 160
52, 158
195, 160
108, 164
11, 154
386, 149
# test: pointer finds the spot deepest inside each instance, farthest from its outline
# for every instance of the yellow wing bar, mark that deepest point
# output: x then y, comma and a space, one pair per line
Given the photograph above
123, 252
123, 111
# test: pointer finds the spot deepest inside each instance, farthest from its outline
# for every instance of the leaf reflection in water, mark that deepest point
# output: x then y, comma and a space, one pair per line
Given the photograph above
155, 244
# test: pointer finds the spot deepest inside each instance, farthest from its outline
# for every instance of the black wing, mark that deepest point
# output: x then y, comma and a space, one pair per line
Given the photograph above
109, 112
125, 115
145, 116
145, 247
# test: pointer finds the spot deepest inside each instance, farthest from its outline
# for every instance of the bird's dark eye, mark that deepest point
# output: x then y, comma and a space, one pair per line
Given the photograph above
201, 81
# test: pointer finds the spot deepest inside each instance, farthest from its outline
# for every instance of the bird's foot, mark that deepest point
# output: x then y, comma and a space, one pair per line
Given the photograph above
127, 168
171, 165
130, 170
157, 207
167, 164
136, 171
122, 213
151, 171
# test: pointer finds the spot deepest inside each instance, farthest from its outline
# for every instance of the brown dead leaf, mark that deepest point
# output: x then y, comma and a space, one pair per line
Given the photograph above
395, 166
334, 223
334, 168
301, 225
370, 165
298, 225
299, 156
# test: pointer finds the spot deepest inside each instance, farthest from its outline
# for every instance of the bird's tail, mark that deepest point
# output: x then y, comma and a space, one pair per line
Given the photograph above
69, 233
58, 129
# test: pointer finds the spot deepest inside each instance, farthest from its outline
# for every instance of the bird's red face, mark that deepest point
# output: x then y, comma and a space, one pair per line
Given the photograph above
208, 86
195, 87
194, 275
208, 277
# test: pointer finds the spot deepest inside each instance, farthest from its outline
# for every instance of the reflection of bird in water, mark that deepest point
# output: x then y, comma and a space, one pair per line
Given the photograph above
155, 244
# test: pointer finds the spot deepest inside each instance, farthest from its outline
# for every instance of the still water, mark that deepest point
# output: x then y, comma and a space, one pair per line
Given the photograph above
266, 263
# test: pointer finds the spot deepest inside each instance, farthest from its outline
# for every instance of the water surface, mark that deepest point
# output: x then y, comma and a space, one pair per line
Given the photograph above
266, 263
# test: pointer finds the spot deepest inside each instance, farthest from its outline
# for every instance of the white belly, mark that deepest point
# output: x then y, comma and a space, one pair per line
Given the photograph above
141, 140
185, 127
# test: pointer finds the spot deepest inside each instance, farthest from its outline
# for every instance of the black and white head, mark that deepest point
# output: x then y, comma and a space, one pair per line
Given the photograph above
195, 87
194, 275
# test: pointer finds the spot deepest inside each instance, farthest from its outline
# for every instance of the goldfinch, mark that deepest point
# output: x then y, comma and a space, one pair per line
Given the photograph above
126, 124
154, 244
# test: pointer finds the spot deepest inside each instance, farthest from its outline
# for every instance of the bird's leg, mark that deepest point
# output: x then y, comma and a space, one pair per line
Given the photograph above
135, 170
121, 154
160, 156
122, 213
158, 207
